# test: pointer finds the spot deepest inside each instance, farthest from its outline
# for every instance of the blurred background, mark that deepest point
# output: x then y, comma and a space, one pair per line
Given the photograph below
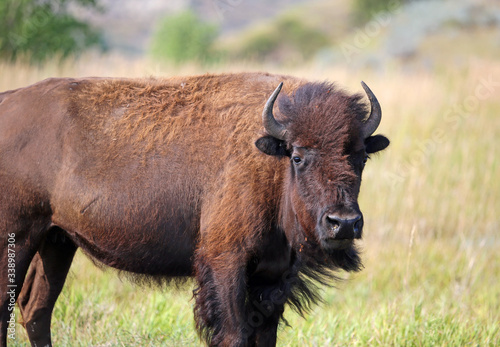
375, 34
431, 201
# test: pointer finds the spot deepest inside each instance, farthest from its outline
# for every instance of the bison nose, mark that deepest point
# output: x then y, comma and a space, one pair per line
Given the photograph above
344, 228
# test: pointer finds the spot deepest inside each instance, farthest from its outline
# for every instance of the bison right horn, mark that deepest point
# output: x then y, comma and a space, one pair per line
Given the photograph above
272, 126
372, 122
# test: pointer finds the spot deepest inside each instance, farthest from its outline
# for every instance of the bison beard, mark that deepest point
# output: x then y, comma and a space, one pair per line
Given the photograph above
185, 177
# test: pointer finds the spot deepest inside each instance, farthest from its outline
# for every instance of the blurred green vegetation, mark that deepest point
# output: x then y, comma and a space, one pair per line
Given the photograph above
289, 39
183, 37
364, 10
39, 30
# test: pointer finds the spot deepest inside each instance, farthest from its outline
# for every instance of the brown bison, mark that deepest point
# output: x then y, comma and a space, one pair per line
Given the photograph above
188, 176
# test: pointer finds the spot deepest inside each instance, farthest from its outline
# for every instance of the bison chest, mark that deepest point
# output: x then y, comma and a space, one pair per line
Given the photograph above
273, 261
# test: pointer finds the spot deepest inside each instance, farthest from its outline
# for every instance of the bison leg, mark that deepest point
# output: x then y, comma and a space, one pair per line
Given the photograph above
232, 311
43, 285
17, 249
266, 307
220, 302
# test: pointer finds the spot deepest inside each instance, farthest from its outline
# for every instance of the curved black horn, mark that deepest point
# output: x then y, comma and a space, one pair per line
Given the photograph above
272, 126
372, 122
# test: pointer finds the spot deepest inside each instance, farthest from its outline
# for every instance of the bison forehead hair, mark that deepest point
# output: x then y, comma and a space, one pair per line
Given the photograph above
319, 115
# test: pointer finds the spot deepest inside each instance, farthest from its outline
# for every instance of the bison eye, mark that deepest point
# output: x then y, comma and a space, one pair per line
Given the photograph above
366, 159
297, 160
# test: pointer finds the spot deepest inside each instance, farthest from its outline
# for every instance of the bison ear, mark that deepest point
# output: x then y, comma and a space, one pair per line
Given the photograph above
271, 146
376, 143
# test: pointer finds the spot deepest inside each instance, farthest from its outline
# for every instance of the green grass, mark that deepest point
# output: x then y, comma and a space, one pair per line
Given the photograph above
432, 267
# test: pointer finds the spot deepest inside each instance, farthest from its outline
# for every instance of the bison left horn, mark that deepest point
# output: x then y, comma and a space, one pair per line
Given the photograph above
372, 122
272, 126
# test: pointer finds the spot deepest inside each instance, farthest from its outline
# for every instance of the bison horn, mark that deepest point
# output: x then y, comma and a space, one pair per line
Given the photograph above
272, 126
372, 122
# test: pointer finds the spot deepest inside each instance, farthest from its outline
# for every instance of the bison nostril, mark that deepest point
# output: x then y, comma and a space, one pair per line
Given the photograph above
343, 228
333, 222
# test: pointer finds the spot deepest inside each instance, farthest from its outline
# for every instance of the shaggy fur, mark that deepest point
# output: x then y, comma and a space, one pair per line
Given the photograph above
177, 178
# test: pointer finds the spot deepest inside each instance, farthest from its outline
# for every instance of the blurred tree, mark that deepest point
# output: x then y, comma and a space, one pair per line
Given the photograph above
184, 37
38, 29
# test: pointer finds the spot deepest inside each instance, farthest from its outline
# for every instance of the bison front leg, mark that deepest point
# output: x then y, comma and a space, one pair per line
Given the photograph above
266, 307
221, 295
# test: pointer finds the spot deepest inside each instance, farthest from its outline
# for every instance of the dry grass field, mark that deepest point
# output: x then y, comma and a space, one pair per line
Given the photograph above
432, 208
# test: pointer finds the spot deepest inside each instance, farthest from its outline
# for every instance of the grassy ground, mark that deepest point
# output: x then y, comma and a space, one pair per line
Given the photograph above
431, 204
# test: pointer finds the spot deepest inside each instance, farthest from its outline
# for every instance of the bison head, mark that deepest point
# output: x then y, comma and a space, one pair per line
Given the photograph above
327, 136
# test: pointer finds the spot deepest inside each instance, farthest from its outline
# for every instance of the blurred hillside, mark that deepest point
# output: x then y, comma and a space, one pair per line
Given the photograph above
425, 33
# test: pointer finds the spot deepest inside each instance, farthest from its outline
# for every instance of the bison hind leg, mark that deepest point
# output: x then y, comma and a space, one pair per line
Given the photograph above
43, 284
20, 239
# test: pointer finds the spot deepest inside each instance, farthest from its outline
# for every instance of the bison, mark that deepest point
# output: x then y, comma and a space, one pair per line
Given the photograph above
179, 177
